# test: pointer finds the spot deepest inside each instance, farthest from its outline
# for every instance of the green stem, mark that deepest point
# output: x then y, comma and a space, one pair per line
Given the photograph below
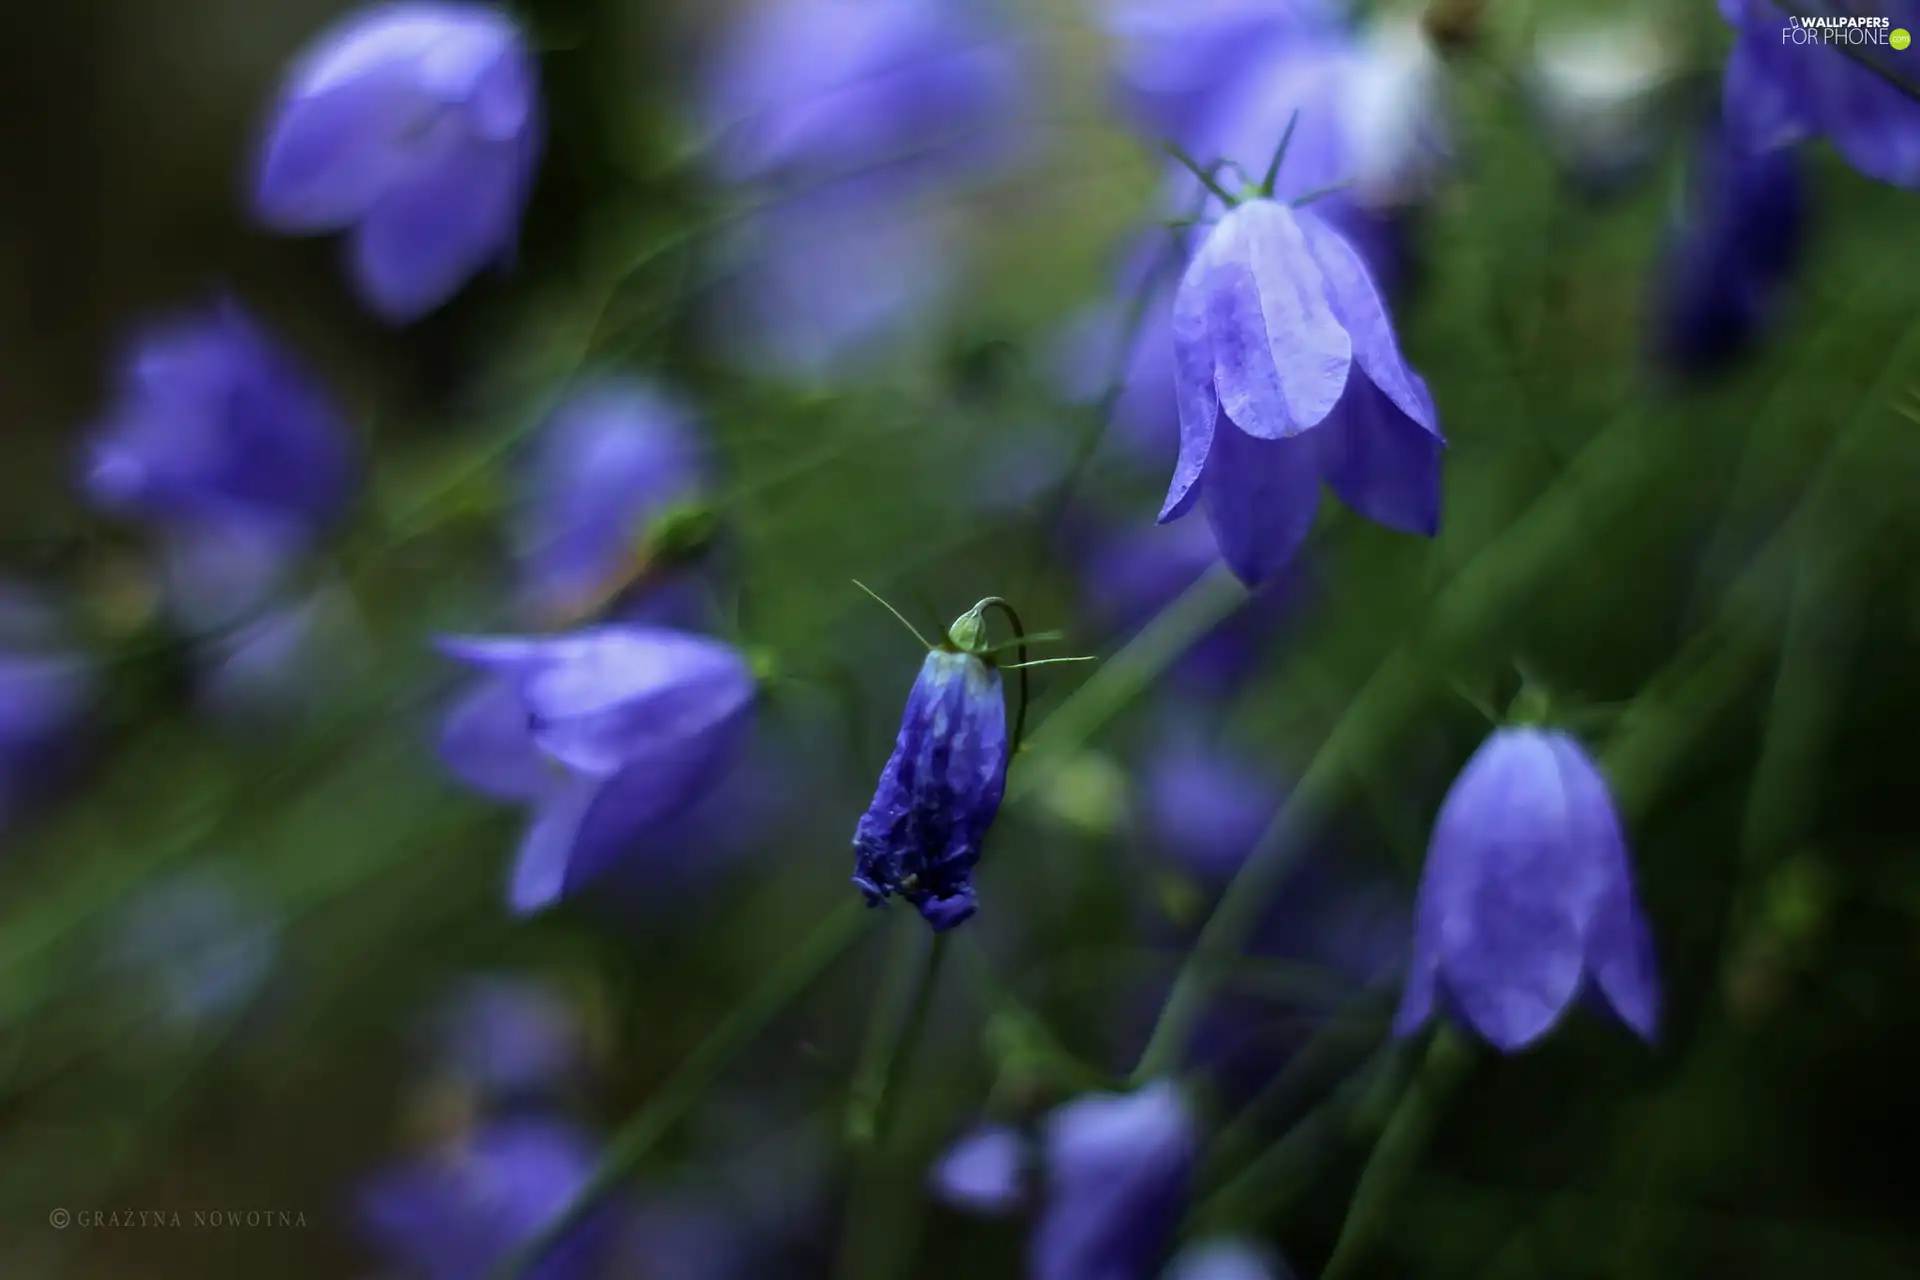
870, 1080
879, 1228
1397, 1154
1116, 682
784, 982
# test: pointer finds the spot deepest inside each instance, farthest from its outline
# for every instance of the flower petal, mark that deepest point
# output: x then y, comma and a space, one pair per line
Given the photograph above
1384, 464
1619, 946
611, 696
1199, 404
1362, 313
1280, 354
1261, 500
540, 869
487, 744
434, 228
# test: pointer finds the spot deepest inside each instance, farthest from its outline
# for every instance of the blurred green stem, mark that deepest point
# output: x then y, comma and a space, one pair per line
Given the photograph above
783, 983
881, 1222
1398, 1153
1122, 678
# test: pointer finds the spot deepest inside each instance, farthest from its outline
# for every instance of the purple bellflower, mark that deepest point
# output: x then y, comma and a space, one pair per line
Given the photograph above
417, 126
1117, 1170
1527, 895
1786, 82
456, 1214
1740, 240
215, 423
984, 1172
615, 461
606, 732
1287, 372
941, 788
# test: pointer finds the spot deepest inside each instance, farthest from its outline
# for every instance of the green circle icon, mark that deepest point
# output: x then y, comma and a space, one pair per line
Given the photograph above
1899, 39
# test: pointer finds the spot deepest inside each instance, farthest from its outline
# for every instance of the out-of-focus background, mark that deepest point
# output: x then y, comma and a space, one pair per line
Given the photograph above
257, 953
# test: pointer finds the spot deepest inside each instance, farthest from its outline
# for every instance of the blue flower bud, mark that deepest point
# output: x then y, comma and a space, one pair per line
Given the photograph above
1527, 896
939, 792
416, 125
984, 1172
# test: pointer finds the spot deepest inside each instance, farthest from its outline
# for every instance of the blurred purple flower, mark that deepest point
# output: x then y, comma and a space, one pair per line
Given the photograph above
612, 460
46, 691
984, 1172
1206, 804
1225, 1258
417, 125
512, 1039
196, 947
1288, 372
456, 1214
1740, 240
1176, 60
809, 90
1781, 90
1527, 893
606, 733
819, 282
1128, 575
939, 791
215, 423
1118, 1167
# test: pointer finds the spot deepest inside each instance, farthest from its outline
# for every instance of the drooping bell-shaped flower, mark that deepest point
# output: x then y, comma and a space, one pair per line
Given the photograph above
416, 126
808, 90
1739, 241
215, 423
613, 464
1527, 896
1227, 1258
1791, 78
984, 1172
1287, 372
941, 788
1118, 1168
458, 1214
606, 733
